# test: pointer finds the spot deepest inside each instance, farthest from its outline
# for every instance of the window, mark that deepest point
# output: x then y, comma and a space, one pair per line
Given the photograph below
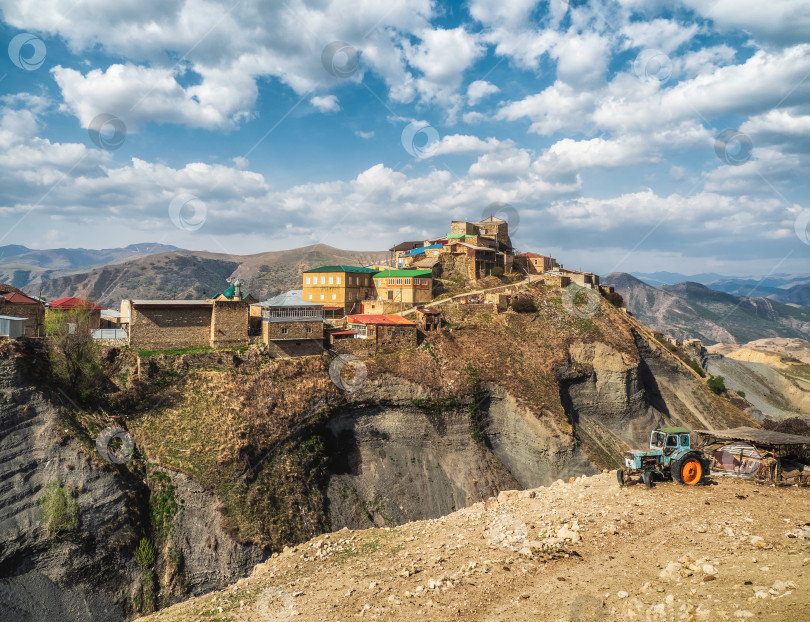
307, 280
321, 296
334, 296
338, 280
390, 332
407, 281
283, 331
309, 330
399, 281
330, 280
310, 296
323, 280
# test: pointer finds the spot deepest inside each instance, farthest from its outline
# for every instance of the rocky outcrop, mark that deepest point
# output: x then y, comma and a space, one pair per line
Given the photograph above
82, 575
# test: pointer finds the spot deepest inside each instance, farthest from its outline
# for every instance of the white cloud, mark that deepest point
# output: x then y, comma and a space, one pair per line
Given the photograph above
325, 103
138, 94
479, 89
785, 21
364, 135
660, 34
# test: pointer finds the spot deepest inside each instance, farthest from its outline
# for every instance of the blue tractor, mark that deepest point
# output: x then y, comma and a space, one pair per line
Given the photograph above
670, 456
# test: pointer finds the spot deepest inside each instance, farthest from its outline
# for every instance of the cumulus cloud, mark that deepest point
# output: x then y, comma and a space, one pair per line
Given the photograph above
479, 89
325, 103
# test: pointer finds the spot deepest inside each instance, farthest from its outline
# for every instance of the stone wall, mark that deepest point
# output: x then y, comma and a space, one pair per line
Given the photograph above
290, 348
229, 324
162, 329
295, 330
34, 314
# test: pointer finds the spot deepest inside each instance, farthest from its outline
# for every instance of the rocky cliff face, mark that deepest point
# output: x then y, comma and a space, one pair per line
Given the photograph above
81, 576
90, 572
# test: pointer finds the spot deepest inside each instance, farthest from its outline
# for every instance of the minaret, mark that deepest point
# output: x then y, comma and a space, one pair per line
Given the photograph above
237, 290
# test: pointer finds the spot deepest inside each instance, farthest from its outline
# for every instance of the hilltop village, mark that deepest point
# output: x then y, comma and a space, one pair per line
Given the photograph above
342, 308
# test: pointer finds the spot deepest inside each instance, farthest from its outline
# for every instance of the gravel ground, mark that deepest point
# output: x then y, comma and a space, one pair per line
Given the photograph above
582, 550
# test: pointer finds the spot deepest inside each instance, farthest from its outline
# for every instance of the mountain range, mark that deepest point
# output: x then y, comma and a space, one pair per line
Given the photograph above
183, 274
793, 289
693, 310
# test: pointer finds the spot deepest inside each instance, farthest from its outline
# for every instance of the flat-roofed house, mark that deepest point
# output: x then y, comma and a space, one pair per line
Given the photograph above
291, 326
339, 286
168, 324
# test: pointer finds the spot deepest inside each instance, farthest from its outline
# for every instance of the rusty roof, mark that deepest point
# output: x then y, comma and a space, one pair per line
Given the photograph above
757, 436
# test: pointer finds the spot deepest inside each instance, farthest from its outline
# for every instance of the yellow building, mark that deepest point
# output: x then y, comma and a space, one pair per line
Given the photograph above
339, 286
406, 286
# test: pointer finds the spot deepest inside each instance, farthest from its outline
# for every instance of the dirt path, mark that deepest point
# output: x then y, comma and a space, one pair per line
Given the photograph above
586, 550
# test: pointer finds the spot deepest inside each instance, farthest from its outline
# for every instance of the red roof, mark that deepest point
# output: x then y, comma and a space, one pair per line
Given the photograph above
18, 299
343, 332
385, 320
73, 303
531, 255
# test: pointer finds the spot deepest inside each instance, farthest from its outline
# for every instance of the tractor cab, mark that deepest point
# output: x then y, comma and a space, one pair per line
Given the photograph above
670, 440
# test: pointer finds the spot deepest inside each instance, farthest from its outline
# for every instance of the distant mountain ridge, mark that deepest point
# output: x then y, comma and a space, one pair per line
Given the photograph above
23, 267
693, 310
792, 289
193, 274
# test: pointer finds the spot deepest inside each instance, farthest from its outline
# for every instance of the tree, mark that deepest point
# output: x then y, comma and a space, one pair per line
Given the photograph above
717, 384
74, 354
497, 271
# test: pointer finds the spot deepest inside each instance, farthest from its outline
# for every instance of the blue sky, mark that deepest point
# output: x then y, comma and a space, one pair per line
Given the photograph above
627, 135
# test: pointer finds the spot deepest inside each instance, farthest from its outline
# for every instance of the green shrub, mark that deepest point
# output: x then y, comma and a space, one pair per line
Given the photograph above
497, 271
615, 299
741, 394
145, 554
696, 366
524, 304
717, 384
58, 511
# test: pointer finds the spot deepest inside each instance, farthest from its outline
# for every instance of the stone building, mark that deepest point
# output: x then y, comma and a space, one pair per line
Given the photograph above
342, 286
428, 320
13, 303
291, 326
532, 263
400, 249
387, 332
168, 324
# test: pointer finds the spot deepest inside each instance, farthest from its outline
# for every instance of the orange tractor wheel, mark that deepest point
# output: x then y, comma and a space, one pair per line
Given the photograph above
689, 470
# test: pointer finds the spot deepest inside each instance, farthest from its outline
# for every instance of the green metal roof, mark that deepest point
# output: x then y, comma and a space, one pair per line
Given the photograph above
386, 274
341, 269
228, 293
453, 236
674, 430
